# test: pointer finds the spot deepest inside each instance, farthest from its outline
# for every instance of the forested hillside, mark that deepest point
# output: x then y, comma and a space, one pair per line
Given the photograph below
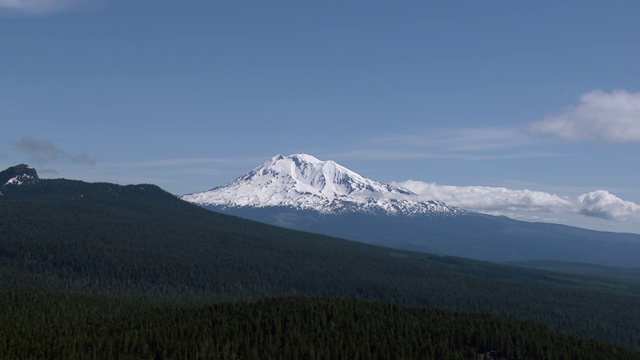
142, 244
73, 326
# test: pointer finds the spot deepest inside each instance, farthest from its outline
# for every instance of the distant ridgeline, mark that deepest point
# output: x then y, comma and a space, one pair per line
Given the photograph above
101, 257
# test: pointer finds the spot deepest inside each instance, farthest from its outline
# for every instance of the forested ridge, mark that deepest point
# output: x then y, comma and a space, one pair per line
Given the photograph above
141, 245
593, 271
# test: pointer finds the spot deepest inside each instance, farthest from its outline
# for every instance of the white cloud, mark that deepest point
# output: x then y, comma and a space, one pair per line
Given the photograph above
499, 200
39, 7
603, 117
603, 204
483, 198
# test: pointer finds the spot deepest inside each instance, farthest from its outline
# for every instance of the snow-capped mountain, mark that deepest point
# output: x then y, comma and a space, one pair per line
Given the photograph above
17, 175
303, 193
303, 182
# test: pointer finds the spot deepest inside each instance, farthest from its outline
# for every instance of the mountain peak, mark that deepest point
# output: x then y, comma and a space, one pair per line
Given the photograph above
302, 181
18, 174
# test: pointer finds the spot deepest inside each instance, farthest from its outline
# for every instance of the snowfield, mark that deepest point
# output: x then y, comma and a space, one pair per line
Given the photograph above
303, 182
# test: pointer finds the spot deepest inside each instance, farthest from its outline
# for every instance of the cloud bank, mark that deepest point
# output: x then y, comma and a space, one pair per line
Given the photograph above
605, 205
603, 117
600, 203
39, 7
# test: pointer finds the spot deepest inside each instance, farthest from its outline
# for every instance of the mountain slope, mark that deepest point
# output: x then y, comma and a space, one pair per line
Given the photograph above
139, 242
473, 235
303, 182
303, 193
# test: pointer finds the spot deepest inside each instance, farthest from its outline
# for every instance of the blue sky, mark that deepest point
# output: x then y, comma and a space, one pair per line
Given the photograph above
486, 97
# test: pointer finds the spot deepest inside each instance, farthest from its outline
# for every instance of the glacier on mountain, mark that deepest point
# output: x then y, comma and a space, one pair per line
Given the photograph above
304, 182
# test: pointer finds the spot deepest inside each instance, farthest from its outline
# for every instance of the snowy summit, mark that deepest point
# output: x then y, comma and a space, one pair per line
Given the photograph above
18, 175
303, 182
